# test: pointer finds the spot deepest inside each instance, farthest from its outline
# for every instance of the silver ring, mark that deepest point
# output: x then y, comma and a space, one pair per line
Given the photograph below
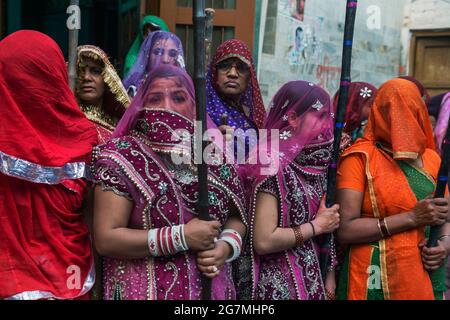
214, 269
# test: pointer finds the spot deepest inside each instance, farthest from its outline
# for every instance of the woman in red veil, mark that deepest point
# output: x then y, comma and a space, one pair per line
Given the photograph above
45, 146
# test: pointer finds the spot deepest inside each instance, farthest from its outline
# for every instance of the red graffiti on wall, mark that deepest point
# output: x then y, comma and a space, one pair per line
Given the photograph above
328, 76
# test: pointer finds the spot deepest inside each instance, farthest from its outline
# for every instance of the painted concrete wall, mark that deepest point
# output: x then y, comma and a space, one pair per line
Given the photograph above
317, 57
422, 15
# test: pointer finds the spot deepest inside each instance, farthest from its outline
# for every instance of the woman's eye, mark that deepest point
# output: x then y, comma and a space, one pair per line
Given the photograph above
154, 100
179, 98
96, 72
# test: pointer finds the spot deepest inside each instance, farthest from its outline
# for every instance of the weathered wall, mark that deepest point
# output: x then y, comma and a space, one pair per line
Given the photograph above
377, 45
422, 15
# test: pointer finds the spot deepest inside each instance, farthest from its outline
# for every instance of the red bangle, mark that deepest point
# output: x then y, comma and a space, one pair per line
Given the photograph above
170, 241
159, 241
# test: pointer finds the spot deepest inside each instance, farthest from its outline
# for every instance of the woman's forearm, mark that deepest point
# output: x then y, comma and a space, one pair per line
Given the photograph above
445, 234
281, 239
235, 223
366, 230
123, 243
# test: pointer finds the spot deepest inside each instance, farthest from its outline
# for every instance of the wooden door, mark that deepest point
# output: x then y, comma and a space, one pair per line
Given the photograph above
431, 60
233, 19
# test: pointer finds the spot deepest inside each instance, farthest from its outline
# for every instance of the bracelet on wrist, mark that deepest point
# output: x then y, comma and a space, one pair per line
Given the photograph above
383, 228
330, 295
313, 229
234, 239
167, 241
299, 240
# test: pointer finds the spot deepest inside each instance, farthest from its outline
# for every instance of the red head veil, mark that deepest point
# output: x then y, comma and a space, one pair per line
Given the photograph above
44, 142
40, 120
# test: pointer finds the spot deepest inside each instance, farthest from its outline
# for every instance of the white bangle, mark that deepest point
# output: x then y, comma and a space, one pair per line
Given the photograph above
183, 238
166, 241
152, 242
160, 239
234, 245
178, 238
234, 239
233, 233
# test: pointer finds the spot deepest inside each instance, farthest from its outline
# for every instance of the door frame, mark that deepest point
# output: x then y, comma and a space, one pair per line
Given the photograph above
174, 15
417, 34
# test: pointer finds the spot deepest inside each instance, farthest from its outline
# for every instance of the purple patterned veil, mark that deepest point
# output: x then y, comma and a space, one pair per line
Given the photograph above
160, 47
442, 122
182, 80
297, 153
301, 115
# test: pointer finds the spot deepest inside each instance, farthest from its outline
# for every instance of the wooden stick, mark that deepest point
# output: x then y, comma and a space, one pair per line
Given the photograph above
350, 18
73, 45
200, 95
441, 184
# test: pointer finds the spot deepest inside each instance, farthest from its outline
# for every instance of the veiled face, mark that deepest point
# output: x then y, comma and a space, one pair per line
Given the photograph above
170, 94
164, 51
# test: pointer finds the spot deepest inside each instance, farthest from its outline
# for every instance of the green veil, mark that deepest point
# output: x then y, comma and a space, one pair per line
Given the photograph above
134, 51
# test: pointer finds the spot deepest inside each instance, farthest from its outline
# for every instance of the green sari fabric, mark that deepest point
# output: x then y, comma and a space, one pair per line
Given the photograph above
134, 51
416, 181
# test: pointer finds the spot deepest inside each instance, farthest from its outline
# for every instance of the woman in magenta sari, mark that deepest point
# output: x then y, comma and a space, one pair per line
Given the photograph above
145, 219
287, 213
442, 122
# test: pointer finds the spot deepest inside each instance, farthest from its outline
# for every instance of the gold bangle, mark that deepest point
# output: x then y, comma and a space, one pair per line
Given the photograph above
386, 227
379, 228
299, 240
329, 295
383, 227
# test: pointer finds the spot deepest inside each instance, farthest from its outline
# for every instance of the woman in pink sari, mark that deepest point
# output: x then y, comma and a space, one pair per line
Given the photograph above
287, 216
145, 218
442, 122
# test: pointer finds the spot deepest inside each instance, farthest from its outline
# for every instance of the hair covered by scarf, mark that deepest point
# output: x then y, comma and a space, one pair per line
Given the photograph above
134, 50
143, 65
115, 99
423, 91
400, 119
442, 122
43, 233
299, 116
138, 104
252, 98
42, 122
360, 99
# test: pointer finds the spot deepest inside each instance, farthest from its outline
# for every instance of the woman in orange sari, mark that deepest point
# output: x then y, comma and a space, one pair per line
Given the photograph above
385, 184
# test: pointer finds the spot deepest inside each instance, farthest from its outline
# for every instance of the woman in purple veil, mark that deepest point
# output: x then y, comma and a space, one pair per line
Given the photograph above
288, 214
232, 91
442, 122
161, 47
145, 218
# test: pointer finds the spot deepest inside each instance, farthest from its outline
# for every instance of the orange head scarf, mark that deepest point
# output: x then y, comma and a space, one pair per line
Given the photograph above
399, 118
